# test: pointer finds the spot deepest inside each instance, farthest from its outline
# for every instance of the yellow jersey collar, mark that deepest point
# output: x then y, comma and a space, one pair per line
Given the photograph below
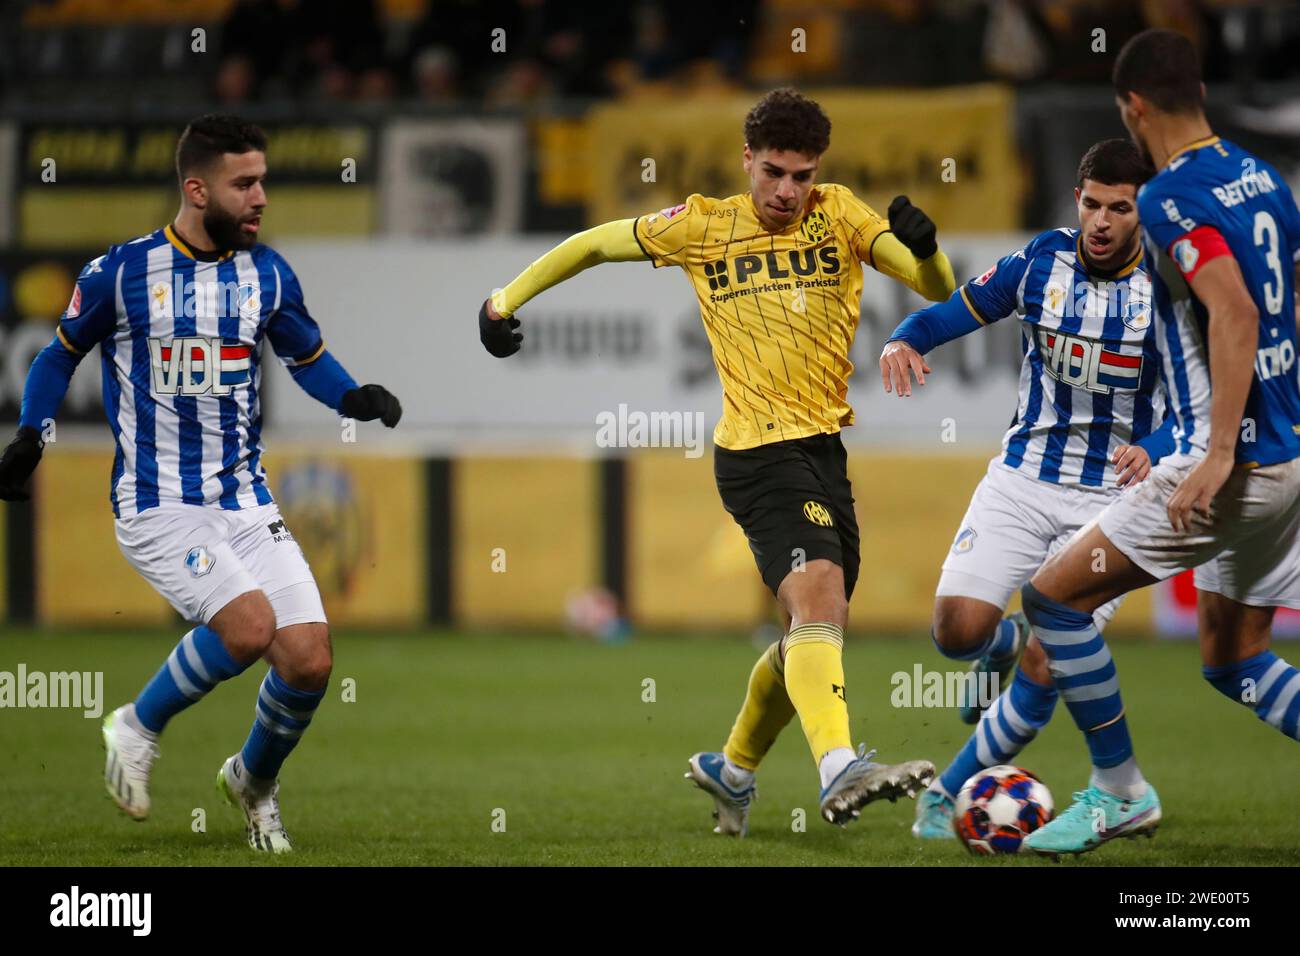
1125, 270
186, 251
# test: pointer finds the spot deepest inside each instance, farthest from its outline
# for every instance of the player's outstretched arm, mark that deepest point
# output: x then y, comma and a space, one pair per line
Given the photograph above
989, 298
919, 333
327, 381
611, 242
47, 383
89, 319
296, 339
910, 252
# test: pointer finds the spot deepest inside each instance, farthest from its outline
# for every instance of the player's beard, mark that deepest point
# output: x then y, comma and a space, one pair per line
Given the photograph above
224, 230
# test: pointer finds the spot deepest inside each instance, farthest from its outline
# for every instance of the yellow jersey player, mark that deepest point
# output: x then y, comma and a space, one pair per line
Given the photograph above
778, 274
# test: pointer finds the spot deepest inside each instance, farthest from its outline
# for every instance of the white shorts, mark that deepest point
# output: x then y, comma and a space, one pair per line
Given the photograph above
1014, 523
201, 558
1249, 548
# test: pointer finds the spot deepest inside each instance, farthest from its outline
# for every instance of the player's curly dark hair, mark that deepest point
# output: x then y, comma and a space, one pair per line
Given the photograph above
1161, 66
1114, 162
785, 119
208, 137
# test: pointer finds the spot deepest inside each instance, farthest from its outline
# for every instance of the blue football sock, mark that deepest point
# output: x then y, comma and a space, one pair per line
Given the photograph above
196, 665
1085, 675
1004, 641
1005, 729
282, 713
1265, 683
997, 645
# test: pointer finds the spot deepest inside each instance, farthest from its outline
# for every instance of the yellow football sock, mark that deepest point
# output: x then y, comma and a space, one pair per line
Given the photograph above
766, 711
814, 679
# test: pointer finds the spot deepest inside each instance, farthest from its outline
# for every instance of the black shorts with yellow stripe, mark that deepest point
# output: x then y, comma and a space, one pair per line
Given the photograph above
794, 503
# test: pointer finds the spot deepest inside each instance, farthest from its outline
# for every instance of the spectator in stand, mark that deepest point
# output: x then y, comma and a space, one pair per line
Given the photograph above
254, 50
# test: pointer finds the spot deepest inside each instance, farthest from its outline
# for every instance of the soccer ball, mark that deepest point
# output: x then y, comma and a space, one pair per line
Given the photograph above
998, 807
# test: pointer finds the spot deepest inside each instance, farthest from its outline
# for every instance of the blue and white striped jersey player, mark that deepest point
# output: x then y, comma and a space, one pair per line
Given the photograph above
1084, 429
1223, 232
179, 316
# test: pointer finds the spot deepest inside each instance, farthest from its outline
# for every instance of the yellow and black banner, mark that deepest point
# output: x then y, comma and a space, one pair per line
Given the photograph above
951, 151
94, 185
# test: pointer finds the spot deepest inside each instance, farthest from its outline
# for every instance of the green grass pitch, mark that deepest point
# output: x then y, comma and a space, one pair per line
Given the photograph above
447, 730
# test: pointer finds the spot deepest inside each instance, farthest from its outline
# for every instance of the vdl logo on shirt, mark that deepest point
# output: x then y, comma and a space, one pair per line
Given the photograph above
196, 365
1086, 363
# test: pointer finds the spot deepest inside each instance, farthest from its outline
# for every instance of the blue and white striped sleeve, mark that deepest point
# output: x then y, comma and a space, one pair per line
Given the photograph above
91, 317
996, 294
991, 297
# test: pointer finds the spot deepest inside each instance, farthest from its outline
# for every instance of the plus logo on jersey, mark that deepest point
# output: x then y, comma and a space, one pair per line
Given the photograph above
794, 264
1086, 363
196, 365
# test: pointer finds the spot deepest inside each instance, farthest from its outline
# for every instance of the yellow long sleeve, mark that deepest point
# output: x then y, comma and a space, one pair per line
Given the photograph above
931, 277
610, 242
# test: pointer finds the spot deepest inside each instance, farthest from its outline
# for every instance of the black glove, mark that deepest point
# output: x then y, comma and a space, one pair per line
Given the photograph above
369, 402
913, 228
498, 335
18, 462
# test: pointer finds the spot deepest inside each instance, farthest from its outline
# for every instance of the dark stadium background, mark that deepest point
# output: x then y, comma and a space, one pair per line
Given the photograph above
489, 156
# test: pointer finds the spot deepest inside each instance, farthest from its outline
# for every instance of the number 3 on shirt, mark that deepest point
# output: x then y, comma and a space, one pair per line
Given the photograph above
1266, 231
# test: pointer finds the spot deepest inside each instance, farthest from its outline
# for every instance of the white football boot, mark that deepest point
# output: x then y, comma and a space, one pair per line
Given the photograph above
129, 758
260, 803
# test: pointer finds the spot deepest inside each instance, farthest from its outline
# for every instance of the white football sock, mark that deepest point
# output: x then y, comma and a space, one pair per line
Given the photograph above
834, 761
735, 776
131, 720
1123, 780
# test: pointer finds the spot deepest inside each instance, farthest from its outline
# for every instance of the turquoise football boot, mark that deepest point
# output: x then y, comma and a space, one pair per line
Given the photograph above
1095, 817
968, 709
934, 812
